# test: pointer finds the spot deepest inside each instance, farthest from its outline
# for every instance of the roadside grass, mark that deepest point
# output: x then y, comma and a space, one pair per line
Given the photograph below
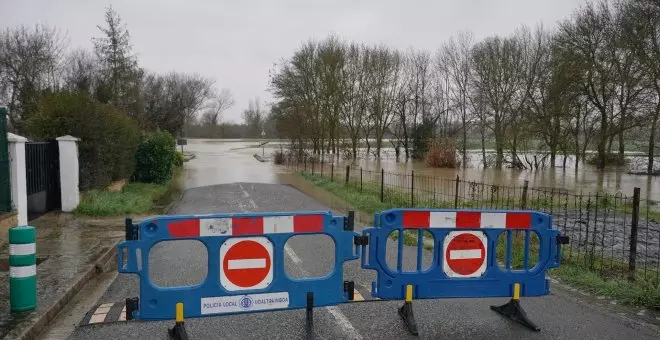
134, 198
581, 271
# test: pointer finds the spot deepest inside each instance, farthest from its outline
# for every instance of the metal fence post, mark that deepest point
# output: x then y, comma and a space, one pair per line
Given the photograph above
633, 236
5, 184
523, 200
458, 180
305, 160
382, 184
360, 179
348, 169
332, 172
412, 188
321, 165
312, 166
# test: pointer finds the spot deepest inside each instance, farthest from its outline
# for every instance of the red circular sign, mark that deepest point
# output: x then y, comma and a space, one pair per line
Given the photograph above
465, 254
246, 264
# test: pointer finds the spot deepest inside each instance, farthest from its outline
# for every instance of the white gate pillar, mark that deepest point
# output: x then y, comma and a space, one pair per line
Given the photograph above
17, 175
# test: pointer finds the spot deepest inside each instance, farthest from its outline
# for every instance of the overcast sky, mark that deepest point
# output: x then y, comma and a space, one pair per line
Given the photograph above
236, 42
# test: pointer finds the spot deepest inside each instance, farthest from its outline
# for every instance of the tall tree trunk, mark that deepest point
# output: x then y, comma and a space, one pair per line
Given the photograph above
621, 147
354, 143
499, 147
483, 145
654, 125
602, 141
464, 141
553, 154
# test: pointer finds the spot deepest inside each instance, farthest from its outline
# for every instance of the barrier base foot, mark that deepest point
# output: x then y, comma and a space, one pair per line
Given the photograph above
178, 332
515, 312
408, 317
309, 329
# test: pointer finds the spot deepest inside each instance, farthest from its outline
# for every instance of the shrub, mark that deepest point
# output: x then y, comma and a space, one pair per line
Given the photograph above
108, 137
154, 159
610, 159
442, 154
178, 159
279, 157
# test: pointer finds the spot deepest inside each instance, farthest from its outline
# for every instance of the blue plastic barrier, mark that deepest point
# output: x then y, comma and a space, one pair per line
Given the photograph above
465, 253
245, 263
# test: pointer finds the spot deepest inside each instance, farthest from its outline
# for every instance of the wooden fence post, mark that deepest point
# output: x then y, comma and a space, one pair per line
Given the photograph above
523, 202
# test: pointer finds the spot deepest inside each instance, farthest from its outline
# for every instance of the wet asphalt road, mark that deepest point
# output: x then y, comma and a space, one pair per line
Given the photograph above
561, 315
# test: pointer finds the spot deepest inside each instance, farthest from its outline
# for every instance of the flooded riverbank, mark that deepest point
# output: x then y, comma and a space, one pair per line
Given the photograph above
227, 161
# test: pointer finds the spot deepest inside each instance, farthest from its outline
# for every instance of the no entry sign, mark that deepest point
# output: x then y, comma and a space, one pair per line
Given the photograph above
247, 263
465, 254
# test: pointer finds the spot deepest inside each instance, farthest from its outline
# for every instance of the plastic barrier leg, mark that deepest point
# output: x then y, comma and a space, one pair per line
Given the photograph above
514, 310
406, 312
179, 330
310, 316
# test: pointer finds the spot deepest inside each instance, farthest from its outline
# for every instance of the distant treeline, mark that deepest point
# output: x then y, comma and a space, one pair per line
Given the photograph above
593, 82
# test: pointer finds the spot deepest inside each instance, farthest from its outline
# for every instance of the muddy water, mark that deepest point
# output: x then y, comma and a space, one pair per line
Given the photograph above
219, 162
228, 161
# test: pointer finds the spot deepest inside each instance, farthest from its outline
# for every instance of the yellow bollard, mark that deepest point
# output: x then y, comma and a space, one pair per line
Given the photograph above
179, 330
516, 291
179, 312
406, 312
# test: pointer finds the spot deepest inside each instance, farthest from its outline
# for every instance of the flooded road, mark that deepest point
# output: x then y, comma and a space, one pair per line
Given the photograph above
221, 162
230, 161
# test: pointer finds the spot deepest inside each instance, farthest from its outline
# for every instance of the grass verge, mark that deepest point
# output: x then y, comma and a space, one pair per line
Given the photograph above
134, 198
645, 291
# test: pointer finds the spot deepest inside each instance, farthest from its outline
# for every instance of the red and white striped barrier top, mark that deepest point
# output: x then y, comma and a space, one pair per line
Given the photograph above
466, 219
231, 226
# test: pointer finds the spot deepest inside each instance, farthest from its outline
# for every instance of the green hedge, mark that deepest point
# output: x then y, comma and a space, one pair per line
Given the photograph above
108, 137
154, 159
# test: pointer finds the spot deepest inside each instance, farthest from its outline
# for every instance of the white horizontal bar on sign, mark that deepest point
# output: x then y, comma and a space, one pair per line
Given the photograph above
247, 264
22, 249
465, 254
20, 272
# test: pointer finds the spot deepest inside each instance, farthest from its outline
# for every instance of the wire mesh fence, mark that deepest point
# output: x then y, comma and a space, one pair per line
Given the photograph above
616, 235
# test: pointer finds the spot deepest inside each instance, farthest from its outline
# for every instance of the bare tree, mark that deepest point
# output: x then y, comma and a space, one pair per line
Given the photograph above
254, 117
354, 108
641, 23
455, 59
29, 60
80, 71
496, 78
384, 69
586, 44
216, 106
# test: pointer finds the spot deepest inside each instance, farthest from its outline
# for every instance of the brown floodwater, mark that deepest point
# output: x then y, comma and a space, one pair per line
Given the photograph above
229, 161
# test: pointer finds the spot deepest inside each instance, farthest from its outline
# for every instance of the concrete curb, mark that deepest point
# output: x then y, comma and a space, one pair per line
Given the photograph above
39, 322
